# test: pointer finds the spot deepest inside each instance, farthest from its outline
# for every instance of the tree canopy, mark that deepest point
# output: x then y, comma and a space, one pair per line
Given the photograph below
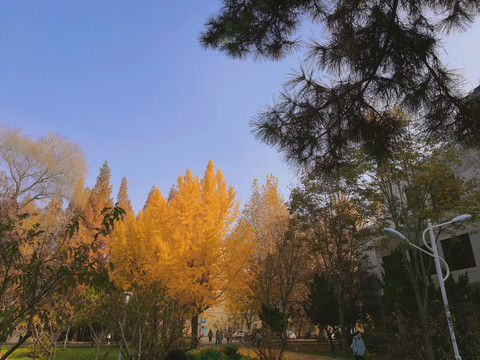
278, 269
336, 212
420, 182
184, 243
47, 167
378, 54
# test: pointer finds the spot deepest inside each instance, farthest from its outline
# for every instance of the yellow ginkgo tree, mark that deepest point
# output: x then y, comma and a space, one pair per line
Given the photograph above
185, 243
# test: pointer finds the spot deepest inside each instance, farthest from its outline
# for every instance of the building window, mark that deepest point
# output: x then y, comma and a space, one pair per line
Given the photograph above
392, 264
458, 252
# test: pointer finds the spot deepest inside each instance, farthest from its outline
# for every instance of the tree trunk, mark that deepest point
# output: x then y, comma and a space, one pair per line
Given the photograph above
139, 342
343, 335
299, 330
123, 341
284, 340
139, 331
54, 339
421, 298
427, 340
97, 349
429, 352
330, 339
66, 338
341, 317
194, 327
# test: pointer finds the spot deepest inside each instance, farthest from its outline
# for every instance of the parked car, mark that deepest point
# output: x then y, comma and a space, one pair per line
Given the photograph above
239, 334
291, 335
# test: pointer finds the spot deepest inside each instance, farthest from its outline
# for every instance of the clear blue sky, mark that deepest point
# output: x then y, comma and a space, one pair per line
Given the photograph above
130, 83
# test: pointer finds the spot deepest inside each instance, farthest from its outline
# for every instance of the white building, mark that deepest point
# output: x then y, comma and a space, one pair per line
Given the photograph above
460, 246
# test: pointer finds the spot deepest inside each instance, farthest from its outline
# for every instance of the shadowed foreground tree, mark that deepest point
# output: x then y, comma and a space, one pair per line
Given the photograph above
464, 301
380, 53
322, 308
283, 272
36, 265
336, 213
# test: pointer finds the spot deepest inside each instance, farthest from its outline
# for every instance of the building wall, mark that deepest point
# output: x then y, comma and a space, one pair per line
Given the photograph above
376, 256
468, 169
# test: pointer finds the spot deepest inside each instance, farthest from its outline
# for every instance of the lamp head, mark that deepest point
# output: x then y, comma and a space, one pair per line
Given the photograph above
128, 296
459, 218
395, 234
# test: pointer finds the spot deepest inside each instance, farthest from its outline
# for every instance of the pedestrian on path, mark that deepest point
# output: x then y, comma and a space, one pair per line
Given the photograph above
210, 335
358, 346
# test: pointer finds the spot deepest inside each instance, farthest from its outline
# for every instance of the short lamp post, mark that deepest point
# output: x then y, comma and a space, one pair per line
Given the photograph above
434, 253
128, 295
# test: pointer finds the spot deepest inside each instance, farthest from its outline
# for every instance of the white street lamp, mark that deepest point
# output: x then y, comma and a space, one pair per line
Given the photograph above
128, 295
434, 253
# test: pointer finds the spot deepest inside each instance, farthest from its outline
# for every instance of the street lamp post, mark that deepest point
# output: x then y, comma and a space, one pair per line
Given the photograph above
434, 253
128, 295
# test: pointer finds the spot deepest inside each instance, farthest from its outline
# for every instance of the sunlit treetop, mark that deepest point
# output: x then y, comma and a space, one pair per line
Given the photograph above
184, 242
122, 197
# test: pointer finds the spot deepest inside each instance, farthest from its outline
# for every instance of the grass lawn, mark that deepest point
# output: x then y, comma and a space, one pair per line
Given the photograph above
71, 353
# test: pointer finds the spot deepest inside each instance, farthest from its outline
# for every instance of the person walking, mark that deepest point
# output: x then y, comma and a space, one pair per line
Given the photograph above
210, 335
220, 336
358, 346
217, 337
257, 336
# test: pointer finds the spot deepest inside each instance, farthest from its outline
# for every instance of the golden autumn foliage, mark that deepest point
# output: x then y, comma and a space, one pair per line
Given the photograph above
263, 223
266, 214
184, 242
139, 247
122, 197
99, 198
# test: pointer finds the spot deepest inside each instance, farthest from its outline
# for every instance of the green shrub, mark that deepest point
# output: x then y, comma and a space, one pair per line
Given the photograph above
191, 356
231, 352
209, 354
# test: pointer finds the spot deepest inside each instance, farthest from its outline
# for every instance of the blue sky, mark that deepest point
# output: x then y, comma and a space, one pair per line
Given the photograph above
130, 83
